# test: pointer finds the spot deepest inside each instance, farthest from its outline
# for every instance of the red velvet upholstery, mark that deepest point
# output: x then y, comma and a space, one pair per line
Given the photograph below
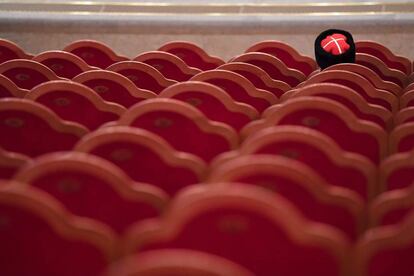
9, 50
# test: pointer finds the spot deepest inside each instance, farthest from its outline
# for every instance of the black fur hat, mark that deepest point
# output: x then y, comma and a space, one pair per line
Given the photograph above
326, 59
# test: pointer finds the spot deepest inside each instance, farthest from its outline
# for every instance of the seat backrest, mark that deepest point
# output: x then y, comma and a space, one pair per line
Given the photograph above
397, 171
10, 50
76, 102
26, 74
319, 152
182, 126
192, 54
143, 155
401, 139
142, 75
378, 50
238, 87
287, 54
258, 77
94, 53
273, 66
247, 225
176, 262
369, 74
360, 85
114, 87
330, 118
379, 67
349, 98
213, 101
32, 129
92, 187
10, 163
37, 231
407, 99
386, 250
313, 196
64, 64
171, 66
10, 89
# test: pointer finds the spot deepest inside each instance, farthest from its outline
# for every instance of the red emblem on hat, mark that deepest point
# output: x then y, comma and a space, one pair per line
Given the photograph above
335, 44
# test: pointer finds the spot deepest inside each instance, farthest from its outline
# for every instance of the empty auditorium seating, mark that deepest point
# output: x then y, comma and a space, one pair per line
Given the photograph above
316, 150
258, 77
287, 54
39, 237
346, 96
386, 250
143, 156
331, 118
214, 102
10, 89
171, 66
32, 129
397, 171
370, 75
298, 183
192, 54
273, 66
64, 64
378, 50
258, 230
10, 162
360, 85
379, 67
181, 125
10, 50
176, 262
114, 87
94, 53
92, 187
142, 75
238, 87
26, 74
75, 102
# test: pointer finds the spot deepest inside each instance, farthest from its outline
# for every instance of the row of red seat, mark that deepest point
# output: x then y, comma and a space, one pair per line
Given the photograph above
234, 163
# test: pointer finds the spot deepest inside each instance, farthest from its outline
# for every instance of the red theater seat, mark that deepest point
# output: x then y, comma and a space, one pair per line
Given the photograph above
10, 163
30, 128
287, 54
171, 66
407, 99
360, 85
315, 198
318, 151
214, 102
39, 237
378, 50
26, 74
10, 50
346, 96
142, 75
176, 262
370, 75
273, 66
397, 171
10, 89
94, 53
386, 250
379, 67
183, 126
64, 64
238, 87
192, 54
401, 139
330, 118
258, 77
114, 87
75, 102
145, 157
247, 225
91, 187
